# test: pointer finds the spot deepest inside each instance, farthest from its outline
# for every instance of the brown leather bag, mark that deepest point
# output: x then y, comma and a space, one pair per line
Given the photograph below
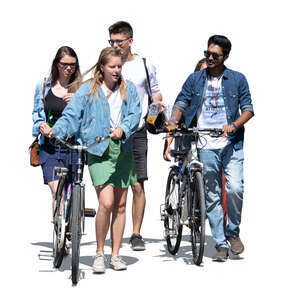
34, 153
34, 148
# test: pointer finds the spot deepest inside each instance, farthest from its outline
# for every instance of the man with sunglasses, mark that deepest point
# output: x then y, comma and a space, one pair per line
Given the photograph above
134, 69
218, 97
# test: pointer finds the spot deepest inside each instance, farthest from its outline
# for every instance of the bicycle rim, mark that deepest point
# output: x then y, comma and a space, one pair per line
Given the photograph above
75, 231
197, 218
173, 228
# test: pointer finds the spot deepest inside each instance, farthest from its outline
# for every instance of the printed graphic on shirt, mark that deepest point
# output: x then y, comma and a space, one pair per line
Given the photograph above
213, 113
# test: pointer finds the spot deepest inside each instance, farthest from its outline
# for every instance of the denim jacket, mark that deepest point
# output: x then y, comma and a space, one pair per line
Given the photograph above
92, 118
38, 113
236, 97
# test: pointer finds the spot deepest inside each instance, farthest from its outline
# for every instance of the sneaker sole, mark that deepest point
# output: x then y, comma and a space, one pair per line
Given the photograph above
138, 248
219, 259
96, 270
118, 269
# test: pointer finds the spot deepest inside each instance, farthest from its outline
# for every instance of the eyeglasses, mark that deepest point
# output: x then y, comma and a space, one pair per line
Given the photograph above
65, 65
215, 55
118, 42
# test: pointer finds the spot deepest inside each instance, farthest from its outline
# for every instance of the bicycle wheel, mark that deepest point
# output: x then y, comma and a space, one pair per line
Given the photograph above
197, 217
59, 230
173, 228
75, 231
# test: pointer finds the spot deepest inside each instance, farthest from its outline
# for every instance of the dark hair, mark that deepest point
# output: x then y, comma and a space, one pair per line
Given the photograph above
221, 41
121, 27
76, 76
199, 64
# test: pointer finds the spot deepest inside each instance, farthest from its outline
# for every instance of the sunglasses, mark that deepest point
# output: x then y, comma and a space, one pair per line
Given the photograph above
215, 55
65, 65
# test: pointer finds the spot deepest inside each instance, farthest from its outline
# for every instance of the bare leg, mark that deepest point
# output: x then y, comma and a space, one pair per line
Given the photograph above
118, 218
53, 187
138, 206
105, 194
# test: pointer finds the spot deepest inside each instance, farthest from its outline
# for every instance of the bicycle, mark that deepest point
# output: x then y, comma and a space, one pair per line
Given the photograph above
185, 195
69, 213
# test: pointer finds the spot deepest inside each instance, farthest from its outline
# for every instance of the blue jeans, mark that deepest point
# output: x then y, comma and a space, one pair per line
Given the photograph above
231, 161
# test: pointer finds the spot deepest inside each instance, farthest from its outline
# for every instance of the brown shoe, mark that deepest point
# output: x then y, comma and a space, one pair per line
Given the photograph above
236, 245
221, 254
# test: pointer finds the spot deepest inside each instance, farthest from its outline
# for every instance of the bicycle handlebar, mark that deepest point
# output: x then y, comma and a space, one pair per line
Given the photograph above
213, 132
98, 140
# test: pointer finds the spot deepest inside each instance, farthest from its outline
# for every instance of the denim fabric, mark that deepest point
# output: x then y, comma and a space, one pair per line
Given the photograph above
231, 160
236, 98
92, 118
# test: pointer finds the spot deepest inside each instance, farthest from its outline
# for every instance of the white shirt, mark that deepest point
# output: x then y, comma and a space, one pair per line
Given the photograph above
115, 105
212, 114
135, 72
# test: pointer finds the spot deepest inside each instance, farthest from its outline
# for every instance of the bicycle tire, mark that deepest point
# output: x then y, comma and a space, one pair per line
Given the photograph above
197, 217
59, 229
173, 228
75, 231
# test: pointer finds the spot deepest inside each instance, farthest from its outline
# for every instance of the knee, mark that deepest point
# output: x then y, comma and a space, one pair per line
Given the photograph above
235, 187
105, 206
138, 189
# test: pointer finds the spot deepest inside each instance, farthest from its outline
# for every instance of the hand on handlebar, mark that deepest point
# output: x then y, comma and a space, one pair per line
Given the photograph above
228, 130
116, 134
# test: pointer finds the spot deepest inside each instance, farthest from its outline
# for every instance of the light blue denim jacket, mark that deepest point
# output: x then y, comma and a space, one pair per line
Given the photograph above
236, 98
92, 118
38, 113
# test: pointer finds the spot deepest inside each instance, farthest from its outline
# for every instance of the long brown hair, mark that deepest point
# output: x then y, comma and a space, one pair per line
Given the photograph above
98, 77
75, 79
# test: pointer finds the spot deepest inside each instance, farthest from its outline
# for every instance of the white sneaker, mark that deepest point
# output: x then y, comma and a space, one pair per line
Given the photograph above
99, 263
117, 263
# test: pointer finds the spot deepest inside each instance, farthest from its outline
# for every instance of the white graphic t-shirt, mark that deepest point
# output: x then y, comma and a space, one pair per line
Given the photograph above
212, 114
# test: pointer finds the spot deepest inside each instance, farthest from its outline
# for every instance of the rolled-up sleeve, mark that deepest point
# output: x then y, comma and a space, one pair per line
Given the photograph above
184, 97
245, 96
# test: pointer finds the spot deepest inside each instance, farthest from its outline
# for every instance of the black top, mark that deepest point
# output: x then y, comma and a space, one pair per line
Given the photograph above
53, 108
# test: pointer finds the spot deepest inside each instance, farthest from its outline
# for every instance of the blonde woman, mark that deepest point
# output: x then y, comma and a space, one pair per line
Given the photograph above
104, 105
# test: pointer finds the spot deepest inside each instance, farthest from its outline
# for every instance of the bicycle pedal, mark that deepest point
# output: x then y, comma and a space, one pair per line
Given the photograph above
45, 255
89, 212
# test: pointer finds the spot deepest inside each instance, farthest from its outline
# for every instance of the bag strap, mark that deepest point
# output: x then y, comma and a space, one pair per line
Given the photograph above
148, 81
44, 90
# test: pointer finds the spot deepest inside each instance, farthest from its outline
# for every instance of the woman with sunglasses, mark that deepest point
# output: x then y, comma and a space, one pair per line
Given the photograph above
52, 95
105, 105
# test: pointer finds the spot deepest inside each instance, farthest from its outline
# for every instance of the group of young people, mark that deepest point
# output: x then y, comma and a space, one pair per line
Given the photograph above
115, 101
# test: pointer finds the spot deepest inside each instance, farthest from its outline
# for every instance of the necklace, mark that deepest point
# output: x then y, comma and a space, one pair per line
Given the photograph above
215, 90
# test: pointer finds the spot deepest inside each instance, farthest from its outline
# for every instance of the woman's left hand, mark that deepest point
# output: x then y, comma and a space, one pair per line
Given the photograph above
67, 97
117, 134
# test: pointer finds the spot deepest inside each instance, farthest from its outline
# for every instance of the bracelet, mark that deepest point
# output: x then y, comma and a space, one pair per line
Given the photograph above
50, 134
235, 127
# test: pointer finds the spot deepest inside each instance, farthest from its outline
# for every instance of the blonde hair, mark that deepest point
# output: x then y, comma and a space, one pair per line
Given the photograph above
98, 77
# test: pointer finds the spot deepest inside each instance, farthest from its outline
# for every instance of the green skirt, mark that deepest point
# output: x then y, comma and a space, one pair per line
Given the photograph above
113, 168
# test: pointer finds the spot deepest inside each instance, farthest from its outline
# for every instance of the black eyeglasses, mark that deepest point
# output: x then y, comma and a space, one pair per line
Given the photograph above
65, 65
118, 42
215, 55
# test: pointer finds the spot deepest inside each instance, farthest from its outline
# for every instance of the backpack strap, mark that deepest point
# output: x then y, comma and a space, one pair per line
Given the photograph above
148, 81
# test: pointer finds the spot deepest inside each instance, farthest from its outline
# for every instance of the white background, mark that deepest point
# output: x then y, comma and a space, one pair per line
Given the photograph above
173, 34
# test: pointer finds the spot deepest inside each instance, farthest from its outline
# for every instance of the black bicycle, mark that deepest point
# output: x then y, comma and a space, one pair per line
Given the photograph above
185, 194
70, 211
